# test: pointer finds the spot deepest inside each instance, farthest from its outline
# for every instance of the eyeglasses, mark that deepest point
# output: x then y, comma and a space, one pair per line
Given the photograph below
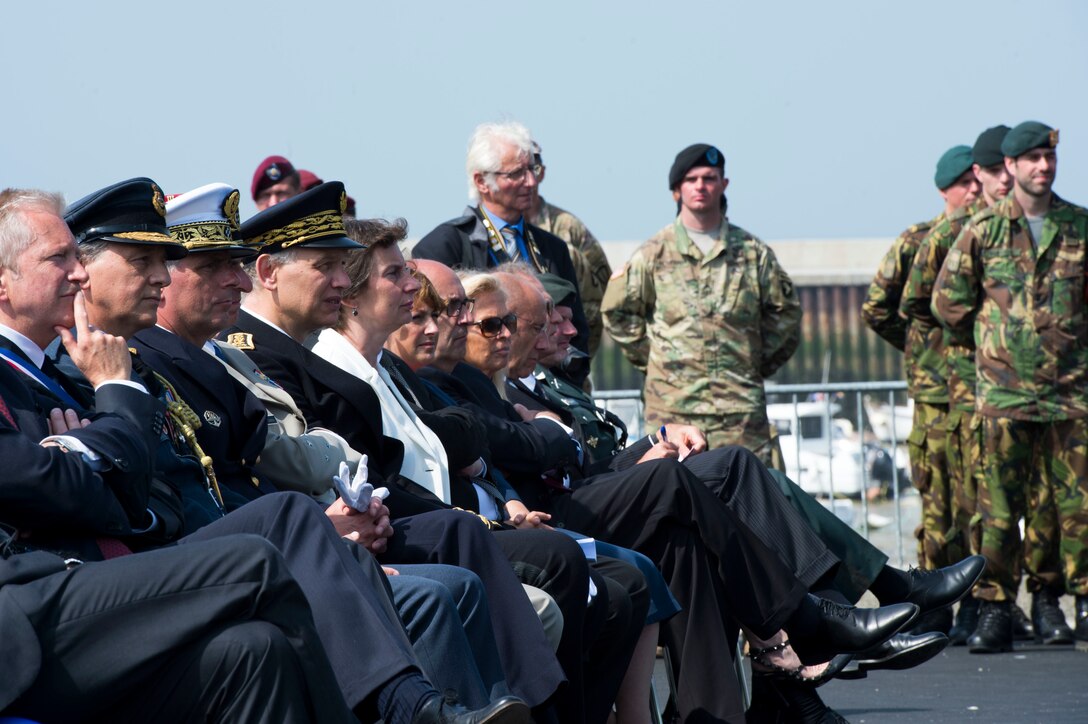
518, 174
492, 326
455, 306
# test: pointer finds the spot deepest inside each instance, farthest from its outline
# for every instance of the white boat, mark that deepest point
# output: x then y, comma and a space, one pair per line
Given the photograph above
824, 454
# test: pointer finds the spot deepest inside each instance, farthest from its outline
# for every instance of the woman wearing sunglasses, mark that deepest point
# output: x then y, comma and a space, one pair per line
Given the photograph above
488, 344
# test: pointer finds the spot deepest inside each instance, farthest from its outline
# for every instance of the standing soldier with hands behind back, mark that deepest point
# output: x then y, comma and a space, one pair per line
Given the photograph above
1016, 278
704, 309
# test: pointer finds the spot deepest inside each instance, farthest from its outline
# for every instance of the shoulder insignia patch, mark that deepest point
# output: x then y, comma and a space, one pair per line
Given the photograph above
241, 340
952, 262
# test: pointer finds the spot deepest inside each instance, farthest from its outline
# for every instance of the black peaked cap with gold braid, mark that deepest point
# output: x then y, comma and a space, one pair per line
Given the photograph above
129, 212
314, 219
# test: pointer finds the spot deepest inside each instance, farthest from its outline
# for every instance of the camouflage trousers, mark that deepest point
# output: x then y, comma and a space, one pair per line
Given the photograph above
940, 543
1038, 471
963, 448
750, 430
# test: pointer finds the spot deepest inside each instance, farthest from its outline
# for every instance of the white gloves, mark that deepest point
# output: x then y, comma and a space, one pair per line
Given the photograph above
357, 492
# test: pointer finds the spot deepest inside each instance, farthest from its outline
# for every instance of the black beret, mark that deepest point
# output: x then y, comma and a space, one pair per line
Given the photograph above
562, 292
128, 212
987, 148
952, 164
1028, 135
314, 219
699, 154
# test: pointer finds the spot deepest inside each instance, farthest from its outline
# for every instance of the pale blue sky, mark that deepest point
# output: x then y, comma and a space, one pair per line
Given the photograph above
831, 115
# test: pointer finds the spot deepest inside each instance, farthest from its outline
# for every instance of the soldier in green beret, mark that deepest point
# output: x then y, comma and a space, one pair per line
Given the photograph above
963, 437
939, 543
1015, 280
705, 310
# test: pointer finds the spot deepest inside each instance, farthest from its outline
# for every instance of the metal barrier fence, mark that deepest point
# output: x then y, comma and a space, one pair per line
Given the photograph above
807, 420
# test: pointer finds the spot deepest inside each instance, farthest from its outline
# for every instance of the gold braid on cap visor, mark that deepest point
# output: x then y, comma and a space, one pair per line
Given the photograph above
200, 235
308, 228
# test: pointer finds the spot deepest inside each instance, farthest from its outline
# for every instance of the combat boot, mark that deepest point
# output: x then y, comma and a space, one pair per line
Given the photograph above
966, 621
1048, 619
994, 631
1022, 630
1081, 619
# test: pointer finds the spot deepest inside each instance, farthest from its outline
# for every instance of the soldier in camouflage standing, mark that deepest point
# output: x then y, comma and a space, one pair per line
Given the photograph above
963, 440
1016, 278
704, 309
590, 262
939, 544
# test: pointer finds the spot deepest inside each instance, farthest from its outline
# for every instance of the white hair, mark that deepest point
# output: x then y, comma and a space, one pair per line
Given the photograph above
485, 151
15, 232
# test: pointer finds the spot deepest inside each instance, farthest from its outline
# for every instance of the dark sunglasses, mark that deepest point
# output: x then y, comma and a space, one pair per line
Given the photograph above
492, 326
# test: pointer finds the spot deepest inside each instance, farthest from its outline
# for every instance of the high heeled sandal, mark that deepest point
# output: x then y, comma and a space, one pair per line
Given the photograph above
773, 670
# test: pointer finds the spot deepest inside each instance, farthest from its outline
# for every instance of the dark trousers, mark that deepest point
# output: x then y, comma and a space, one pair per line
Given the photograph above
214, 631
347, 590
730, 552
448, 620
460, 539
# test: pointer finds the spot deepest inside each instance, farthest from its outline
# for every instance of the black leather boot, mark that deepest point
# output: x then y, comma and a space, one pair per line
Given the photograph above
994, 631
1022, 629
966, 621
1081, 619
1048, 619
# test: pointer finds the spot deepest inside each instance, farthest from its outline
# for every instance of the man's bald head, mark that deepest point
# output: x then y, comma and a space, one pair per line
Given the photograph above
441, 276
525, 297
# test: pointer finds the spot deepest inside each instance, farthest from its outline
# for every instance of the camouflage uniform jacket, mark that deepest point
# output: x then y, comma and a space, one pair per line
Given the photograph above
922, 345
917, 304
706, 329
1026, 306
590, 263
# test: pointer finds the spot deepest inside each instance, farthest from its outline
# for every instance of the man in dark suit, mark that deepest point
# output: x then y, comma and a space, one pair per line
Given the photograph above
61, 511
502, 174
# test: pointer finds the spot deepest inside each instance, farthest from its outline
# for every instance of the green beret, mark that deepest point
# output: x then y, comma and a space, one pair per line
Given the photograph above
699, 154
562, 292
987, 148
953, 163
1028, 135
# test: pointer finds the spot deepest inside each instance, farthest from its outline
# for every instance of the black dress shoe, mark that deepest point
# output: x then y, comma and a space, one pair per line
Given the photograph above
507, 710
1080, 618
847, 630
994, 631
966, 621
939, 621
1022, 628
943, 587
902, 651
1048, 619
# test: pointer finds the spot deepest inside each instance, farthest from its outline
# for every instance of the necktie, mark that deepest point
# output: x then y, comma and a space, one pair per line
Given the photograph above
510, 237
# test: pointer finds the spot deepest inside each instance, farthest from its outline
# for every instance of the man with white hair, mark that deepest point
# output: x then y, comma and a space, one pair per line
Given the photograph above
502, 175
